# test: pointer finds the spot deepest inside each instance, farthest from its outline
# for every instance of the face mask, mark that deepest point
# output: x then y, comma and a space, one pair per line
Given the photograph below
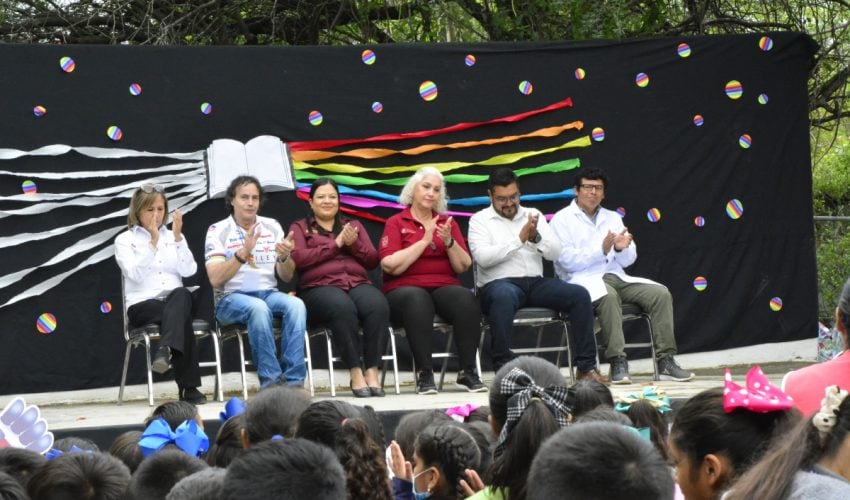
417, 494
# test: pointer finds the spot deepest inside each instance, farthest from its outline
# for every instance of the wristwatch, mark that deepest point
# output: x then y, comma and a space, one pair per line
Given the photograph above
536, 238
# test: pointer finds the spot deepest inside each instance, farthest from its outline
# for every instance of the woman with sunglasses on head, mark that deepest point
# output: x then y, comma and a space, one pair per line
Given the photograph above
154, 262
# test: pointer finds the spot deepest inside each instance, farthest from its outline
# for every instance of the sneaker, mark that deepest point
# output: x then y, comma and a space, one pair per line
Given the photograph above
592, 374
668, 369
425, 383
619, 370
162, 360
469, 380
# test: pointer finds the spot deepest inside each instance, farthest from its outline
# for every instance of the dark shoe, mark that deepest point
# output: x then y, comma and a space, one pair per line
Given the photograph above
363, 392
469, 380
619, 370
668, 369
162, 360
377, 392
192, 395
592, 374
425, 383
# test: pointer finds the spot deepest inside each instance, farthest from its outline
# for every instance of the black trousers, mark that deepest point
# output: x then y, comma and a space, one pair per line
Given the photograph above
345, 312
413, 308
174, 315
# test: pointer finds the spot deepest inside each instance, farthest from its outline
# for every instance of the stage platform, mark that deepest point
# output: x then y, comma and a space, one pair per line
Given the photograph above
95, 412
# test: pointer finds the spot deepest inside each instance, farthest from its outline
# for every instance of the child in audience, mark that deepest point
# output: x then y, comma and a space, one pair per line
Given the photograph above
643, 414
175, 413
598, 461
273, 412
285, 469
228, 442
810, 463
408, 428
20, 463
158, 473
126, 448
354, 433
442, 455
75, 443
716, 437
205, 484
11, 489
81, 476
529, 402
590, 394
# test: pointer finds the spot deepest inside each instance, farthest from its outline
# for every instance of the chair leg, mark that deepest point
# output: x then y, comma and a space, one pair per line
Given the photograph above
242, 366
309, 360
569, 354
219, 390
652, 346
446, 359
124, 372
395, 364
150, 371
330, 364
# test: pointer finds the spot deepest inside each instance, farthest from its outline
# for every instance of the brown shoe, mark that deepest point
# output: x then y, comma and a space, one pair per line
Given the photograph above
592, 374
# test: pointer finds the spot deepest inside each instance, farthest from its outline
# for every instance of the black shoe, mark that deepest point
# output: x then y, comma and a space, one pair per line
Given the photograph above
162, 360
192, 395
619, 373
469, 380
363, 392
668, 369
425, 383
377, 392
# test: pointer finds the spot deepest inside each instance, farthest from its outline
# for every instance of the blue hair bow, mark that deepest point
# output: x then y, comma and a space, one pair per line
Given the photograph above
188, 437
232, 408
53, 452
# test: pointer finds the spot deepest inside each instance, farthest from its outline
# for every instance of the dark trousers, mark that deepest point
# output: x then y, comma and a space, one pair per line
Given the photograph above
500, 300
345, 312
174, 315
413, 308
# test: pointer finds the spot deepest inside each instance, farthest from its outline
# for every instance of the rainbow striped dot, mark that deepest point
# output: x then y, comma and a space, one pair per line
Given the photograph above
377, 107
745, 141
525, 87
368, 57
39, 110
46, 323
67, 64
775, 304
684, 50
428, 90
598, 134
734, 90
135, 89
698, 120
114, 132
700, 283
765, 43
642, 80
699, 221
206, 108
29, 187
621, 211
315, 118
734, 208
105, 307
653, 214
763, 99
580, 74
469, 60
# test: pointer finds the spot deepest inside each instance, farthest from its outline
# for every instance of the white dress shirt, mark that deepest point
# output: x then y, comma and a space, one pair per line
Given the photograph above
499, 253
582, 261
148, 271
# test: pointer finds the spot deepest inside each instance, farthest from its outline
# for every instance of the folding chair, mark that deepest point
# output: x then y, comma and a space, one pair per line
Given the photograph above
324, 330
142, 335
632, 312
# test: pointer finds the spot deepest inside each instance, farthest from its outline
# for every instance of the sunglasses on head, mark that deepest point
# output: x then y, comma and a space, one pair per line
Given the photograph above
150, 188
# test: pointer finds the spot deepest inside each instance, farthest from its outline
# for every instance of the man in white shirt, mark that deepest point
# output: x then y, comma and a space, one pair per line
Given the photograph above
243, 254
596, 249
508, 243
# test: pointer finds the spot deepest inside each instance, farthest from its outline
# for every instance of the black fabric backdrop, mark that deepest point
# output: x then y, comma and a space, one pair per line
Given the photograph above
655, 154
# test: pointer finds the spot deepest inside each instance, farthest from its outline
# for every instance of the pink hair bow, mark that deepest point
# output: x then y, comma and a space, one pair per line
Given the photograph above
760, 395
461, 413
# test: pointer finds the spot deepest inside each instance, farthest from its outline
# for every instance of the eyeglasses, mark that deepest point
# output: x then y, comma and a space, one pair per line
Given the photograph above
501, 200
150, 188
593, 187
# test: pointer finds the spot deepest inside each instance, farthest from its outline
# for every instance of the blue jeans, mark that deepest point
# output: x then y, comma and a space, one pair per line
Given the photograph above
501, 298
255, 310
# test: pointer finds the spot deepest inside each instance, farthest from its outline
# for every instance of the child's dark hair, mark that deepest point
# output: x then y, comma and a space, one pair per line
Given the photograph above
126, 448
66, 444
11, 489
484, 438
603, 414
643, 414
509, 470
590, 394
158, 473
228, 442
411, 424
773, 475
81, 476
203, 485
452, 450
20, 463
174, 413
702, 427
274, 411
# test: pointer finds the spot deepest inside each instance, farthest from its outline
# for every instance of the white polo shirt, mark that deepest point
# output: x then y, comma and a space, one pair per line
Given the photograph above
225, 237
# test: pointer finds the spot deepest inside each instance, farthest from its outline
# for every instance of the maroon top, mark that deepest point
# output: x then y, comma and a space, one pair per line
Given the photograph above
320, 262
432, 269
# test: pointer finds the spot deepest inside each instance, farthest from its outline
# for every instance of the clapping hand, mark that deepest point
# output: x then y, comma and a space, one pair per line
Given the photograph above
444, 231
529, 229
177, 225
347, 236
285, 246
401, 468
622, 240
